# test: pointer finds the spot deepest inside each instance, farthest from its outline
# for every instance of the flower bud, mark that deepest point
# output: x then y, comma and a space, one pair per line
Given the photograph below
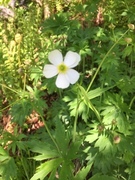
116, 139
101, 128
128, 40
131, 26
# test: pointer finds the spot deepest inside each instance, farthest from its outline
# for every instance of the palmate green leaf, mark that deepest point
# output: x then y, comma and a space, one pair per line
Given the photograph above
45, 168
36, 74
20, 111
97, 92
87, 96
73, 149
83, 109
87, 101
17, 141
3, 154
122, 123
126, 146
91, 137
8, 167
66, 171
127, 51
84, 105
61, 136
46, 151
126, 84
109, 114
83, 172
104, 144
103, 163
2, 151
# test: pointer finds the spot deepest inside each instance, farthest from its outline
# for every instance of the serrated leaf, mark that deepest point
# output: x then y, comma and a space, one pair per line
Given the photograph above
122, 123
2, 151
97, 92
44, 169
73, 149
127, 51
83, 172
46, 151
104, 144
66, 171
20, 111
3, 155
61, 138
91, 138
8, 169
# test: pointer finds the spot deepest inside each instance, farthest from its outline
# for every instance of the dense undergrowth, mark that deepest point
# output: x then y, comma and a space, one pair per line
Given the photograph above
88, 129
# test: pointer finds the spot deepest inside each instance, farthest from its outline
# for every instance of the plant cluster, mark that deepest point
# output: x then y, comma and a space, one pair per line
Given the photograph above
83, 130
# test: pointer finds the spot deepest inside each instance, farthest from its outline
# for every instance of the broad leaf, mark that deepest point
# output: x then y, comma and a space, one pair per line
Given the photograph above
45, 168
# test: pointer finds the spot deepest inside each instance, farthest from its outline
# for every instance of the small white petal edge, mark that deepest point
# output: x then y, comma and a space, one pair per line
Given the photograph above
50, 71
55, 57
62, 82
72, 59
72, 76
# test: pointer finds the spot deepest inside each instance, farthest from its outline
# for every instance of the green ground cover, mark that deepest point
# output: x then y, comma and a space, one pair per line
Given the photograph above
86, 129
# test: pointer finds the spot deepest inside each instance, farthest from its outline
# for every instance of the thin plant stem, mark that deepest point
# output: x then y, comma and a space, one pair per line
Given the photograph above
3, 85
49, 133
60, 93
76, 118
24, 83
75, 123
104, 60
24, 166
88, 103
130, 105
131, 66
19, 61
95, 111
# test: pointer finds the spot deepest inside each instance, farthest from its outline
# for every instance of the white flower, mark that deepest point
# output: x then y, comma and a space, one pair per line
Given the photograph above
62, 68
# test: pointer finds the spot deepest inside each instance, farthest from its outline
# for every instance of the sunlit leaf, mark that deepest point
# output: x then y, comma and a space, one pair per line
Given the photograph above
45, 168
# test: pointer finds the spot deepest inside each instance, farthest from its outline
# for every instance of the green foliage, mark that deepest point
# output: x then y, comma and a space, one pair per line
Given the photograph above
88, 129
8, 168
59, 158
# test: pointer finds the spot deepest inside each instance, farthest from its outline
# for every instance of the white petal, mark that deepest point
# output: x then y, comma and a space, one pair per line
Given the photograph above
55, 57
72, 59
62, 81
72, 76
50, 70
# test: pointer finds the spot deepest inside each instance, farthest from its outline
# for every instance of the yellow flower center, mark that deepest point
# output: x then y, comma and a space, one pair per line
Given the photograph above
62, 68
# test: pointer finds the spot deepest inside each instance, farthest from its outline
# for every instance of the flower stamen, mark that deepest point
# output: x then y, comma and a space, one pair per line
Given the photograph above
62, 68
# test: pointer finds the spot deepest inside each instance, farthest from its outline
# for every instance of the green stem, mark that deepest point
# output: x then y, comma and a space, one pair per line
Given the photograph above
60, 93
104, 60
24, 83
3, 85
95, 111
76, 117
130, 105
48, 131
9, 105
24, 166
75, 123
